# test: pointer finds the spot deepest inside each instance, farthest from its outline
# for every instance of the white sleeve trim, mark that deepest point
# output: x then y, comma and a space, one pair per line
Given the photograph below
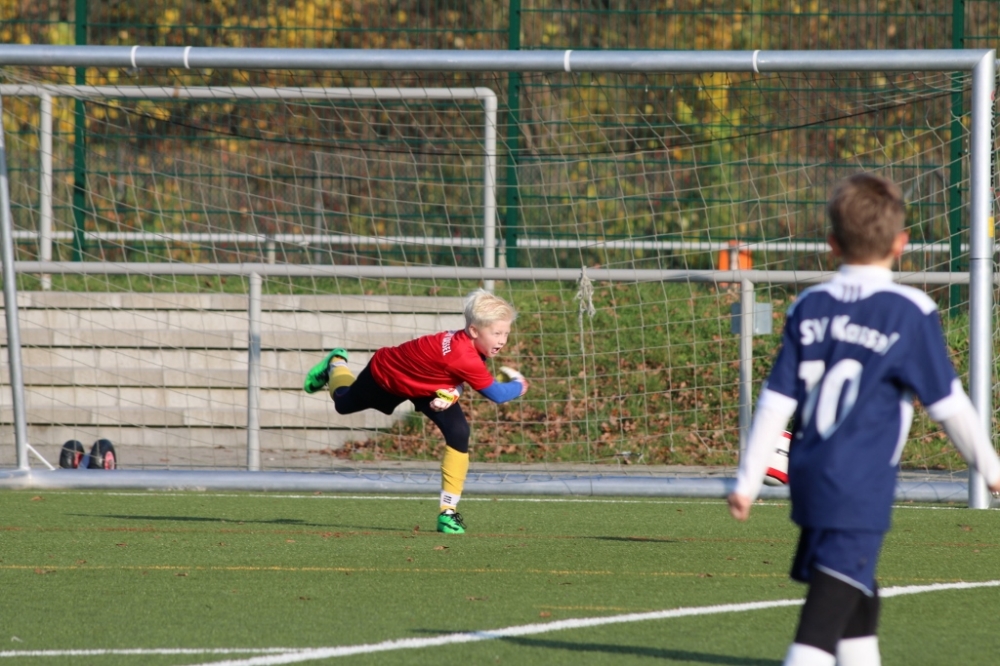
949, 405
966, 431
769, 421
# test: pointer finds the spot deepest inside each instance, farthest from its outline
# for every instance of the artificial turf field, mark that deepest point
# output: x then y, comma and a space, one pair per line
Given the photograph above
166, 578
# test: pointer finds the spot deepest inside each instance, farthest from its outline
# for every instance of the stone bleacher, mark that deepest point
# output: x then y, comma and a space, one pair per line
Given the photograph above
164, 375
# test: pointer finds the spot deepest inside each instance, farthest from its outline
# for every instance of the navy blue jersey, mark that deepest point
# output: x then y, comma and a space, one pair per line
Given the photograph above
854, 353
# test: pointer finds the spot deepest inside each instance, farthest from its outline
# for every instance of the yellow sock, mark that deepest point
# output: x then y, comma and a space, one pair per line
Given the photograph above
454, 467
340, 376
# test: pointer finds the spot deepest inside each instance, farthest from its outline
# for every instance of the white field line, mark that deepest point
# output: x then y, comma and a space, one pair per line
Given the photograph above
145, 651
274, 656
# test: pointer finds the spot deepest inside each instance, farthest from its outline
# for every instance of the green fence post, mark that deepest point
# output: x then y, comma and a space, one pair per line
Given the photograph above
79, 144
512, 199
955, 157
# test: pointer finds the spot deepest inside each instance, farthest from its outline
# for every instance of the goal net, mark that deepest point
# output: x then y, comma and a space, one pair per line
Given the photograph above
318, 182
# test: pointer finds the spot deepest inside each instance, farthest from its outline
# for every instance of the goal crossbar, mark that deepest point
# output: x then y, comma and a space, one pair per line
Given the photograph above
981, 63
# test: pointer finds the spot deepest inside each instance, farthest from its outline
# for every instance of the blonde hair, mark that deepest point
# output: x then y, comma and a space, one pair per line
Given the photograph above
483, 308
866, 213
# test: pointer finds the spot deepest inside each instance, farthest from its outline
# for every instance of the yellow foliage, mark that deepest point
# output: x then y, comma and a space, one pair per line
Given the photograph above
61, 34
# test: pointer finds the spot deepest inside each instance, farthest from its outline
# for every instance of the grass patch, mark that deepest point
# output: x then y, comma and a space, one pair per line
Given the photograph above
102, 570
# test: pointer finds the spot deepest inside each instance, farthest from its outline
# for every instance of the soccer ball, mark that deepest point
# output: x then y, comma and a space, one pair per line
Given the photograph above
777, 469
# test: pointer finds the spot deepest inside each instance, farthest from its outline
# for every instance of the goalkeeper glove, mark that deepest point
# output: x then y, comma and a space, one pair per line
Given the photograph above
508, 374
445, 398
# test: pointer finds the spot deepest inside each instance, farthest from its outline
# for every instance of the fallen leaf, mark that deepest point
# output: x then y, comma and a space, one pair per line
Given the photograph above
477, 598
42, 572
181, 574
545, 614
37, 498
440, 547
121, 545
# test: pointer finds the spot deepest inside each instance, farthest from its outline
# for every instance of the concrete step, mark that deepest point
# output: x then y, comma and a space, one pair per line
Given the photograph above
369, 340
175, 440
289, 302
190, 448
170, 370
197, 360
158, 397
178, 417
190, 369
37, 376
199, 321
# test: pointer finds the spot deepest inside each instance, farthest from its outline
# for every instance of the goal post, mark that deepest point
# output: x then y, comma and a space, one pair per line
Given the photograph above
978, 64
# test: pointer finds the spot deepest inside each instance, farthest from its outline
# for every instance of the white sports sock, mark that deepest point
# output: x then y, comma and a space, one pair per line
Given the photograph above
450, 500
861, 651
807, 655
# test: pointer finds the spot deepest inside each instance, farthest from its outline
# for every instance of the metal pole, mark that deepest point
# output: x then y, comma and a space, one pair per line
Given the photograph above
253, 374
981, 259
490, 188
415, 60
45, 187
747, 320
10, 308
956, 153
512, 207
320, 225
80, 143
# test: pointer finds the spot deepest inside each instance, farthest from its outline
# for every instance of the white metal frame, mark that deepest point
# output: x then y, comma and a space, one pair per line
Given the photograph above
46, 93
981, 63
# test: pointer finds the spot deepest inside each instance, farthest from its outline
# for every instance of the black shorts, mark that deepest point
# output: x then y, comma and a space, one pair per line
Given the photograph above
366, 393
849, 555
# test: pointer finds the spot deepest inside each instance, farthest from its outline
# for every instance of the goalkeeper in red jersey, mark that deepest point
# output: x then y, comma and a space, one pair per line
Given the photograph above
430, 372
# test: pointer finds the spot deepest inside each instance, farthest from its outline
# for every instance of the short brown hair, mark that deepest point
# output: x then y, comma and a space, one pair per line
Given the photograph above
866, 213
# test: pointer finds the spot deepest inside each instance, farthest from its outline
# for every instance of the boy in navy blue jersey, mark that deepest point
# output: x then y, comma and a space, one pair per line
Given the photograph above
854, 353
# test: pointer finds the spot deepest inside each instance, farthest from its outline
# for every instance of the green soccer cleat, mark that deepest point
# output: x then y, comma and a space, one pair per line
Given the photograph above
450, 522
319, 375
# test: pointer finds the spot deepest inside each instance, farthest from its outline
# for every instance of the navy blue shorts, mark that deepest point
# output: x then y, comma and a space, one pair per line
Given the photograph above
849, 555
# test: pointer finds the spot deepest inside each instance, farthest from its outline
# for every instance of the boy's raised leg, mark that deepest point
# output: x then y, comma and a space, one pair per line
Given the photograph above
340, 374
319, 375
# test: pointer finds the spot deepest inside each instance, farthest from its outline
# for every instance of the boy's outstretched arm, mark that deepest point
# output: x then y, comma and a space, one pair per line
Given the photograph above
769, 421
959, 418
500, 392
